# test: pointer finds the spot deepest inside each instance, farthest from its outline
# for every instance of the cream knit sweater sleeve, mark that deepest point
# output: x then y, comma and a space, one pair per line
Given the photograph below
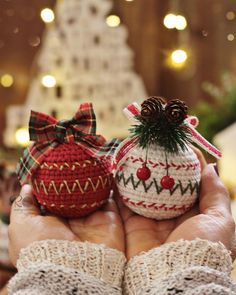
183, 267
196, 267
62, 267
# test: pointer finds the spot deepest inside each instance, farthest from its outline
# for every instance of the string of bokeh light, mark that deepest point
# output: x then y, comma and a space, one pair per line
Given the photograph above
179, 56
48, 81
22, 137
177, 59
47, 15
172, 21
113, 20
7, 80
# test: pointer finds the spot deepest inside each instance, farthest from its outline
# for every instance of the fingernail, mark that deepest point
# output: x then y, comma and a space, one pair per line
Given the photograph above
216, 168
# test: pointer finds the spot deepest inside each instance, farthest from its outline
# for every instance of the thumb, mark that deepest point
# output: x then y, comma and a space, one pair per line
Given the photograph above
24, 204
214, 197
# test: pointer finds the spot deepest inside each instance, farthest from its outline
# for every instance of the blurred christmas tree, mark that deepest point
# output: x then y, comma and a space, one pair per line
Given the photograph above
222, 112
84, 57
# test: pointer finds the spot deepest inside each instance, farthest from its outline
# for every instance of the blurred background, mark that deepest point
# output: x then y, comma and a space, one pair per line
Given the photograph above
59, 53
56, 54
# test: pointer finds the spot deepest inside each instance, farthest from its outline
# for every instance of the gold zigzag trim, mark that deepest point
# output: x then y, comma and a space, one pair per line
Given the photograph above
101, 182
66, 165
84, 206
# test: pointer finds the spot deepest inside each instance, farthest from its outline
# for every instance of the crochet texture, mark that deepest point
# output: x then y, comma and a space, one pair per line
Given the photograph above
149, 198
72, 183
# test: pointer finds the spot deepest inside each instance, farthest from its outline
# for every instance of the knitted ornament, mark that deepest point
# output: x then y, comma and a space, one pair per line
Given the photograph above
157, 173
68, 165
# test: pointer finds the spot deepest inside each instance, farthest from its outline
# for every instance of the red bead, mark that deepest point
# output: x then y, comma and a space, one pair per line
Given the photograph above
167, 182
143, 173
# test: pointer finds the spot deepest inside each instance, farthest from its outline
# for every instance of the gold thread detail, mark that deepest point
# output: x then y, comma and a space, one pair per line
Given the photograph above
44, 187
52, 184
66, 165
79, 186
101, 182
67, 186
36, 185
84, 206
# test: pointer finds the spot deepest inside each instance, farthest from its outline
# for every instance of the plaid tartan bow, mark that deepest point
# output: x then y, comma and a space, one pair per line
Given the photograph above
47, 133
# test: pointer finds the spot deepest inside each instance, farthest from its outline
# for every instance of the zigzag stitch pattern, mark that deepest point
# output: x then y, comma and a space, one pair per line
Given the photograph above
101, 182
120, 178
66, 165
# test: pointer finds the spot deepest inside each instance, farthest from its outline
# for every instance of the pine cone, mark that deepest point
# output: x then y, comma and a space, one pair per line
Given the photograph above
152, 108
176, 111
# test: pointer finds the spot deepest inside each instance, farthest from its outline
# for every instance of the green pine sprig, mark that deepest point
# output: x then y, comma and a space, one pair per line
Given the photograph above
171, 137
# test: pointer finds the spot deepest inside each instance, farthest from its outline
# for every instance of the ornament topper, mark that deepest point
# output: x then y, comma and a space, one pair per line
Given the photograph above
163, 124
166, 124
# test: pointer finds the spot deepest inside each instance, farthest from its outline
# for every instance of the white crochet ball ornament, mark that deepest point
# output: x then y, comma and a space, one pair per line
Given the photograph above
157, 173
148, 197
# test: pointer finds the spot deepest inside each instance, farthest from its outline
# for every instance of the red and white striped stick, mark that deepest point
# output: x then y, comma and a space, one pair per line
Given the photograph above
202, 142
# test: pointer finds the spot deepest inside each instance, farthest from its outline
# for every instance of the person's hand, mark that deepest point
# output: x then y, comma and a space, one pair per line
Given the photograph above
210, 219
27, 225
9, 188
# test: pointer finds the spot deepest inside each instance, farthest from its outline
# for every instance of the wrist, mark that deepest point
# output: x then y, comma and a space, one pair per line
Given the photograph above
96, 260
157, 264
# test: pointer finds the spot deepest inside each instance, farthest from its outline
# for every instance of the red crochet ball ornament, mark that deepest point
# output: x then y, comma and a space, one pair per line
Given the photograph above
68, 164
71, 183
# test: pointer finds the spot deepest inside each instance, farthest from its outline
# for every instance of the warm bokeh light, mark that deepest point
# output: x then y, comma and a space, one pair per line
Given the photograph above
170, 21
113, 21
22, 137
7, 80
230, 15
230, 37
47, 15
48, 81
34, 41
179, 57
180, 22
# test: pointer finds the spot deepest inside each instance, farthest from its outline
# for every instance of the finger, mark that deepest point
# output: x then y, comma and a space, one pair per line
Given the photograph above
24, 204
125, 212
192, 212
111, 205
233, 248
15, 184
200, 157
214, 196
117, 197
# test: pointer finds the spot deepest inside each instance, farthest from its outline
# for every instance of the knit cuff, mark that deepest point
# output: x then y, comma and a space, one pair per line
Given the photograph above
99, 261
157, 264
